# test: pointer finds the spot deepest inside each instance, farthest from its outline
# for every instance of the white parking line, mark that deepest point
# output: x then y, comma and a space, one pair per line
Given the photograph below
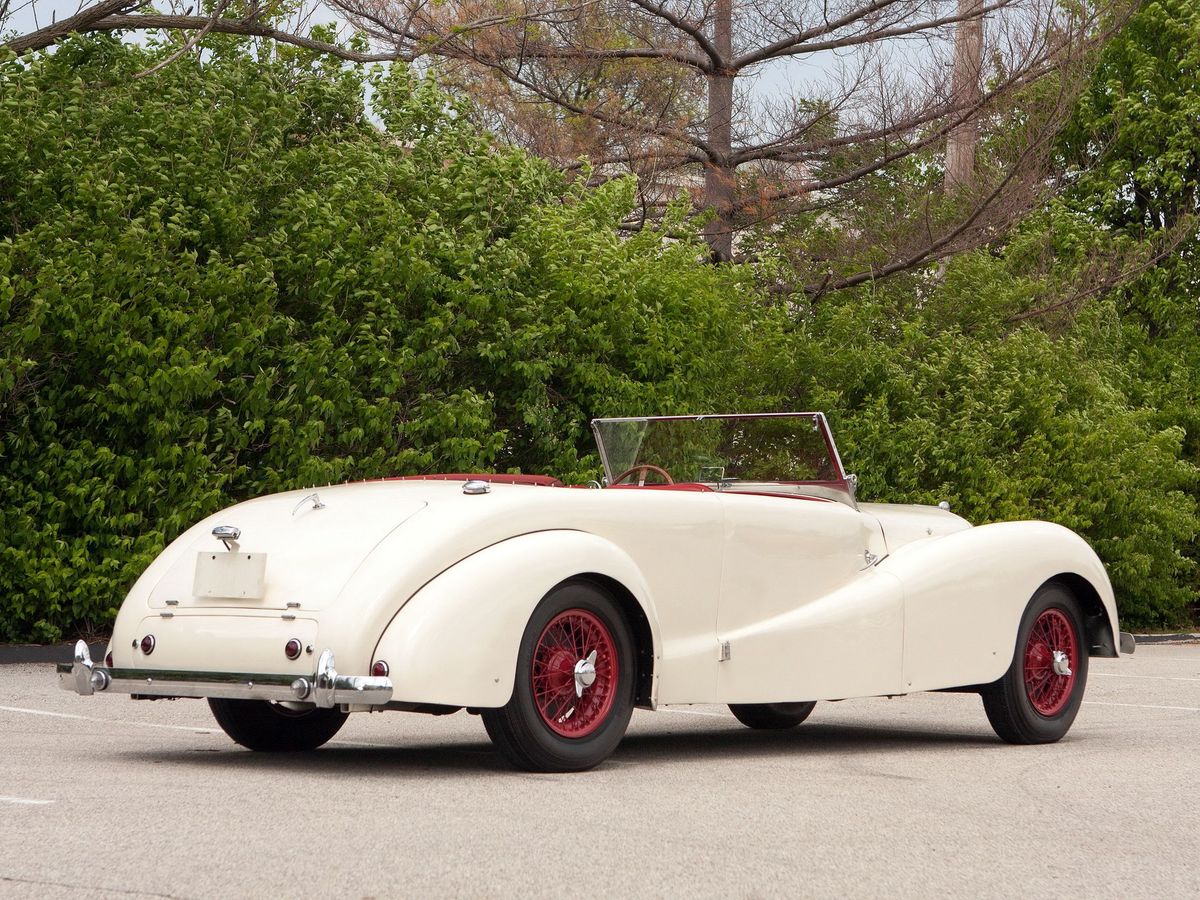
24, 801
1153, 677
1142, 705
194, 729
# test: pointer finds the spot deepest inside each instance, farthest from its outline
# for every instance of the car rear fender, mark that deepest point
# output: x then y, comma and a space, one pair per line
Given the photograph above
456, 641
964, 595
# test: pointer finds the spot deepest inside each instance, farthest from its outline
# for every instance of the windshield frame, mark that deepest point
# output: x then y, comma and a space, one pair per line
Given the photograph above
842, 486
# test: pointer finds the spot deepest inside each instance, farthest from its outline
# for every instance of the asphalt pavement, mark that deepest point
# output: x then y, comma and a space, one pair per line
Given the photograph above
912, 797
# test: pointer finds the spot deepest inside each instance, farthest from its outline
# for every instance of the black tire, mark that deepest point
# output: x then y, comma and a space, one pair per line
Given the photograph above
272, 728
772, 716
522, 731
1012, 705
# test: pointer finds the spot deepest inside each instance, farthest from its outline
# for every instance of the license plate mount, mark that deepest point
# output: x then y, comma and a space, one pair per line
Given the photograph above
236, 575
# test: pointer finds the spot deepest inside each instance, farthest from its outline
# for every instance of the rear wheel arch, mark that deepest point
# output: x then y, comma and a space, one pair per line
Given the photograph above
548, 724
639, 627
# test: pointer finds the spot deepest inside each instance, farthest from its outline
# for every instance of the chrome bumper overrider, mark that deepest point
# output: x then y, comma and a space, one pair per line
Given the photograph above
1128, 644
325, 687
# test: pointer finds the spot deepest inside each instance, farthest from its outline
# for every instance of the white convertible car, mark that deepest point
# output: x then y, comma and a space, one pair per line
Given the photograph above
725, 560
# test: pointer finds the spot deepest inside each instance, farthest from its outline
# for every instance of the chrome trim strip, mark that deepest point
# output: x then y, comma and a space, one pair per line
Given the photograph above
328, 688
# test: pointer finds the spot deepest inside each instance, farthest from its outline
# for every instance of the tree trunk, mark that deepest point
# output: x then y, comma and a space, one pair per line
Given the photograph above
718, 173
966, 90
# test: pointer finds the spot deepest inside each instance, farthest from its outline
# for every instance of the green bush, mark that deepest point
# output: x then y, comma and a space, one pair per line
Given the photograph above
231, 279
227, 280
1008, 423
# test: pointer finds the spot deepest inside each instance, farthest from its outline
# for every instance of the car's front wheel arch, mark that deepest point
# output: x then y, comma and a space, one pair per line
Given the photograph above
1037, 699
1100, 635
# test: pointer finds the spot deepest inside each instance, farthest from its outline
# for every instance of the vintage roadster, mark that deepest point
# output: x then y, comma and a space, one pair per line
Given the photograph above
725, 560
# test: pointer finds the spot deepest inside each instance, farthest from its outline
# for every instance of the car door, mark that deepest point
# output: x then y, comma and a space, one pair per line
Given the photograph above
803, 613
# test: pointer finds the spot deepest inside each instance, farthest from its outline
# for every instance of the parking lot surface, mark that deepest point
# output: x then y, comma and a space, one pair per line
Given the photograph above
912, 797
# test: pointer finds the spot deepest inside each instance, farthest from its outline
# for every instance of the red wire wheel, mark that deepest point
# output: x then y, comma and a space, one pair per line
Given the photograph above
1038, 697
562, 665
1049, 691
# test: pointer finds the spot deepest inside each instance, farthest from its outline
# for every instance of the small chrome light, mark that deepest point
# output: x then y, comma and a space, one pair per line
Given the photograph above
227, 535
475, 486
292, 649
380, 669
148, 644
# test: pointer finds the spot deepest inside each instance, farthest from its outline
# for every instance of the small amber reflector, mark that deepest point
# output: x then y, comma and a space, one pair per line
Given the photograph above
380, 669
292, 649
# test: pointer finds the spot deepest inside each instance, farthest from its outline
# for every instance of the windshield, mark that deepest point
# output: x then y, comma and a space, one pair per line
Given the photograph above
725, 452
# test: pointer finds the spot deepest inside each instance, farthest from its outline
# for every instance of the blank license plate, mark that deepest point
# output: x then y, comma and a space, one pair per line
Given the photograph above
227, 574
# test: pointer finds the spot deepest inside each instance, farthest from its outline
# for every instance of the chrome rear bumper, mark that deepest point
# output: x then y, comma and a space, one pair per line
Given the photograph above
324, 688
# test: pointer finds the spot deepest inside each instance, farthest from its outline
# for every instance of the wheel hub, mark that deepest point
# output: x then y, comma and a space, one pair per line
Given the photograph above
585, 673
1062, 663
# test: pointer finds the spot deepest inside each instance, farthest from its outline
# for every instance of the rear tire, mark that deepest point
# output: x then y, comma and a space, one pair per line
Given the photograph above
1035, 703
273, 728
548, 726
773, 716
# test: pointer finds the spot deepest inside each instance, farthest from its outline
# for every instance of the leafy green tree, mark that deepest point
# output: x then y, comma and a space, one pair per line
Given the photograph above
229, 279
1008, 424
1056, 374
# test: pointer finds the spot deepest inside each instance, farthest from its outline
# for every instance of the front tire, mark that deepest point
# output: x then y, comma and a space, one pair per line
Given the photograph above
1039, 696
772, 716
574, 689
274, 728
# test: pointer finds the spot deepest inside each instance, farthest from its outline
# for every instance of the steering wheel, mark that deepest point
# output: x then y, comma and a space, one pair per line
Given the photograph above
644, 468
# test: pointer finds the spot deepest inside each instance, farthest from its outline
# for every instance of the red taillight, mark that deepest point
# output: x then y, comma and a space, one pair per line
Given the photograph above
148, 644
108, 660
292, 649
380, 669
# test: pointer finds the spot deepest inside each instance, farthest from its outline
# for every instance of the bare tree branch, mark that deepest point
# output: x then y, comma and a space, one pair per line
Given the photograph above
803, 43
83, 20
692, 29
189, 43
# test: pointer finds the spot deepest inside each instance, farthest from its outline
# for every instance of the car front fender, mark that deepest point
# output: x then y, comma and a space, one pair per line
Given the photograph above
965, 593
455, 642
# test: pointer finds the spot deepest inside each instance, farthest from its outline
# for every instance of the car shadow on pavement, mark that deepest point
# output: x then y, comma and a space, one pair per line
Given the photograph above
359, 761
811, 739
465, 757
